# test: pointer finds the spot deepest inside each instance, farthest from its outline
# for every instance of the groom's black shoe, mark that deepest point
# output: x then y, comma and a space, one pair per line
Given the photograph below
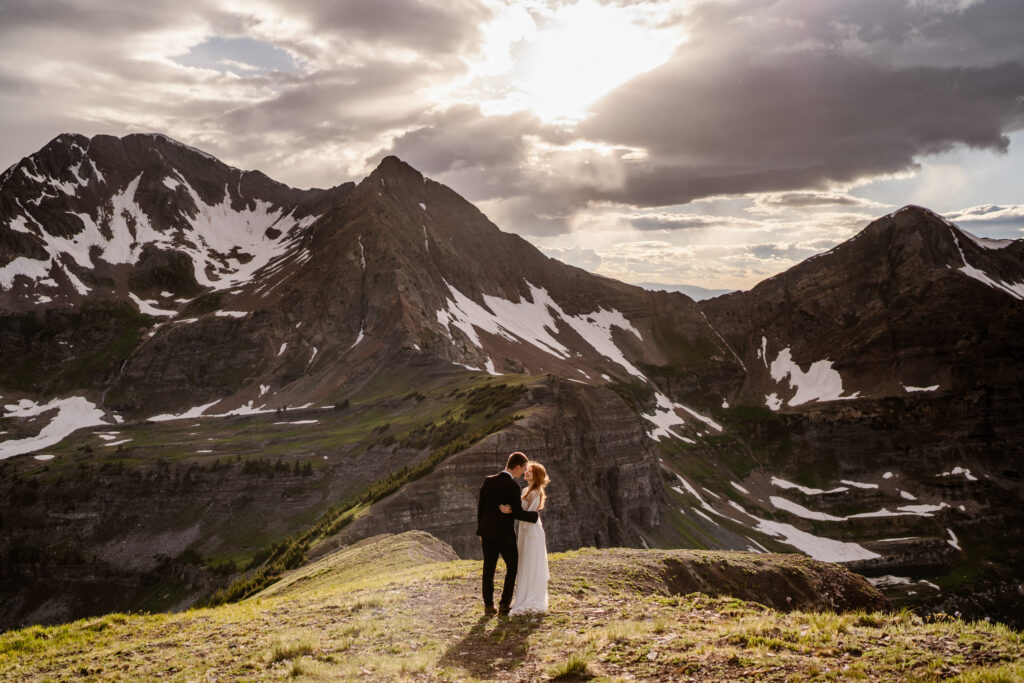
489, 609
503, 610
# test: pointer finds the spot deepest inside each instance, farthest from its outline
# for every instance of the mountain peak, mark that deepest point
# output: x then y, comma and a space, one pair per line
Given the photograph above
67, 140
912, 229
912, 214
394, 168
167, 140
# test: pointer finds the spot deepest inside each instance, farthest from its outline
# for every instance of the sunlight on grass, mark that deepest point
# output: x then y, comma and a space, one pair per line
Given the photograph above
385, 611
1007, 673
576, 666
291, 646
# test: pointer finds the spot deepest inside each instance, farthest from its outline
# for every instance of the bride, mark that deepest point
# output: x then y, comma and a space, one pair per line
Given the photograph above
532, 575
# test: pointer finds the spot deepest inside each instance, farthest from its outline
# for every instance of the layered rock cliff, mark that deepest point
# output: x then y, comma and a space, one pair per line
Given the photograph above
606, 487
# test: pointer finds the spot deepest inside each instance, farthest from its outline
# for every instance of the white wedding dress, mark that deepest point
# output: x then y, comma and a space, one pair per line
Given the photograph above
532, 575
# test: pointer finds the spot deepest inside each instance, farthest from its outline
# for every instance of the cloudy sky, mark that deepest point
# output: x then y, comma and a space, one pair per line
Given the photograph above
712, 143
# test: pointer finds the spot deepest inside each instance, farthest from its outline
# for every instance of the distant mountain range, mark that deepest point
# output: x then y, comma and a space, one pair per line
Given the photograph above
864, 406
693, 291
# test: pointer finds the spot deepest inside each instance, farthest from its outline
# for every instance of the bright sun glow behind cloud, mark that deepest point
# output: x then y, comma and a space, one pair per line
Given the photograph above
558, 64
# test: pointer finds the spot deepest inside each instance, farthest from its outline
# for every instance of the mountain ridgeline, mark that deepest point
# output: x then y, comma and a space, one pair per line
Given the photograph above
211, 378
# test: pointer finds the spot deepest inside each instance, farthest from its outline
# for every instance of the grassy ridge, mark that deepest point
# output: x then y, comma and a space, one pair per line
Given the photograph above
290, 553
389, 610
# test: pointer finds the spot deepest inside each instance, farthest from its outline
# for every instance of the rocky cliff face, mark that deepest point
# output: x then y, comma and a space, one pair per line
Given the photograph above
606, 488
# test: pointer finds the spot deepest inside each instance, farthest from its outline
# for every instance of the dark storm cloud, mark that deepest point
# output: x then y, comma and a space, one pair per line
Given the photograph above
463, 137
798, 95
25, 15
673, 222
425, 25
804, 199
322, 103
798, 125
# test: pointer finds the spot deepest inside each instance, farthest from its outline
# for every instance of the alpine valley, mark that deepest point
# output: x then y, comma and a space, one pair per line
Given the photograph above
210, 379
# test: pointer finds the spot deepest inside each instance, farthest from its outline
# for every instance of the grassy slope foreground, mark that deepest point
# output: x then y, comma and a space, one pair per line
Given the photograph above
403, 608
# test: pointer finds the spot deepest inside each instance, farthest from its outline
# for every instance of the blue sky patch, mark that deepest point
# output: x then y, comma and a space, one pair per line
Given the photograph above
244, 56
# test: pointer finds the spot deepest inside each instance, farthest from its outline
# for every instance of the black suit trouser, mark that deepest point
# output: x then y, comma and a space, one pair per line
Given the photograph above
509, 552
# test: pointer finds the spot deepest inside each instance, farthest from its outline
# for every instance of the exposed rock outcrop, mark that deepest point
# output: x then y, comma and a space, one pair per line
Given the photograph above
606, 488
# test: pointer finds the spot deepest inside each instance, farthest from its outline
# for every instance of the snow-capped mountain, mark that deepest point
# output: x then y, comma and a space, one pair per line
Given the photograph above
911, 304
143, 219
288, 294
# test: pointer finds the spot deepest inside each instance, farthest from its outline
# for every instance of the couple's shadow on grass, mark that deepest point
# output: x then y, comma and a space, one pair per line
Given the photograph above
494, 643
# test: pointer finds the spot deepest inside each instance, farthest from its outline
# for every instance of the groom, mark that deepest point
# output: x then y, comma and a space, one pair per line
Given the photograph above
495, 530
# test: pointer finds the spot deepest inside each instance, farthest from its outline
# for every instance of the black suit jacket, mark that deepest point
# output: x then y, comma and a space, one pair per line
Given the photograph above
500, 489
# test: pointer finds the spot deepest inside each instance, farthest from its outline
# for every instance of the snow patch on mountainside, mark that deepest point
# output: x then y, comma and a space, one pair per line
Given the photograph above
148, 306
987, 242
247, 409
783, 484
1014, 289
818, 383
227, 246
858, 484
818, 547
190, 413
693, 492
958, 471
888, 580
664, 418
73, 413
227, 236
802, 512
535, 321
703, 418
32, 269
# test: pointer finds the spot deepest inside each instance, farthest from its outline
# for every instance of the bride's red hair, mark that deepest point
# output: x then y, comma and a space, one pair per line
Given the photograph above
539, 483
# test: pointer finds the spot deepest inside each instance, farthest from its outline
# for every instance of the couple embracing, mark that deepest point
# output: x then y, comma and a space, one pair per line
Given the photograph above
526, 557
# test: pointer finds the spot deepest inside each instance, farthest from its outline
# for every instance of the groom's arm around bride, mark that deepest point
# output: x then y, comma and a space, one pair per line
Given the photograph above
496, 531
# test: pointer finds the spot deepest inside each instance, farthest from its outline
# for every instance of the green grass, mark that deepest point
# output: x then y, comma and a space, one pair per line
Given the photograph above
383, 610
290, 646
401, 608
573, 668
1007, 673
